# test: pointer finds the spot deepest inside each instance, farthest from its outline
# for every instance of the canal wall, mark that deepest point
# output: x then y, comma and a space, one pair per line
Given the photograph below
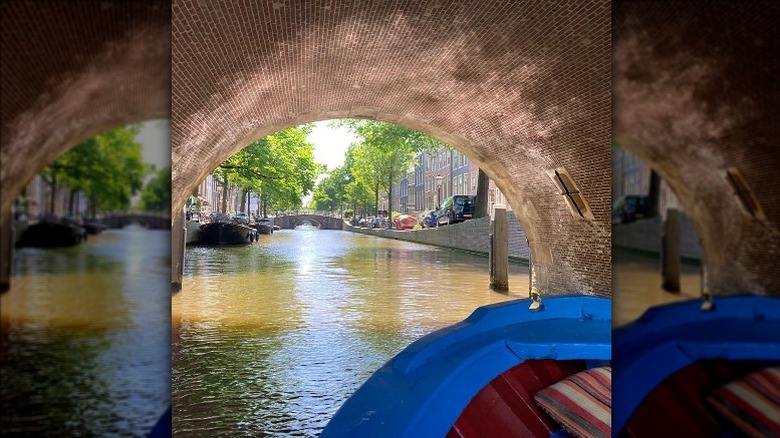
644, 235
472, 236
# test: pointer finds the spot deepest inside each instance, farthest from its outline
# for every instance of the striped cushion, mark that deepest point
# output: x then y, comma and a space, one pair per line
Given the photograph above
581, 403
752, 403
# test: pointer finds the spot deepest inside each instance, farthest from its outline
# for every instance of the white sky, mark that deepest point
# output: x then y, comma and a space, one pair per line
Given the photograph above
155, 137
155, 140
330, 144
330, 147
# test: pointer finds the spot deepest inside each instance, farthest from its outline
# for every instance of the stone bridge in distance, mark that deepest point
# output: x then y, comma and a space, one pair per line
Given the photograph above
323, 221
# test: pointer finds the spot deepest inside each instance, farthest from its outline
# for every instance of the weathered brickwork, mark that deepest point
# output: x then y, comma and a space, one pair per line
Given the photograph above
697, 92
471, 236
73, 69
521, 87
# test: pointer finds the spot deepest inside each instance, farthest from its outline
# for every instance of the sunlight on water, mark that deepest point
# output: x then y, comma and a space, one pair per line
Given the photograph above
272, 337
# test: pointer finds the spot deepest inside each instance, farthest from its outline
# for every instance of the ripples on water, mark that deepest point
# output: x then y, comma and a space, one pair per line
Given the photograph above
636, 284
272, 337
86, 336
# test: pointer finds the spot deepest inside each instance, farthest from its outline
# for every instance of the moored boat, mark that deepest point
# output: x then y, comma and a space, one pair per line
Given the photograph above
52, 234
226, 233
264, 226
94, 226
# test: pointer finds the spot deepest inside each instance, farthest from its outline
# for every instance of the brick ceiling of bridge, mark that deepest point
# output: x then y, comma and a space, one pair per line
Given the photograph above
696, 92
521, 87
72, 69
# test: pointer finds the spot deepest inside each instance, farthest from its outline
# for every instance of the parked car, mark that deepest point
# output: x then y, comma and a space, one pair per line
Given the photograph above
629, 208
428, 219
404, 222
456, 208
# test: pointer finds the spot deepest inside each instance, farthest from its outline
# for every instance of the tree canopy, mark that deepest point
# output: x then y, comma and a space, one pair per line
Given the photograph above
330, 193
156, 195
340, 188
280, 167
108, 168
385, 152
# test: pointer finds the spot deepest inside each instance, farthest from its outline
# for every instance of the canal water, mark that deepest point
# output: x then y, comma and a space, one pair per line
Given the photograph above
85, 338
270, 338
636, 285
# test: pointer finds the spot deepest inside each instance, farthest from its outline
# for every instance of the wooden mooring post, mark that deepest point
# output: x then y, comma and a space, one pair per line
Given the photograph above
7, 236
670, 251
499, 250
178, 245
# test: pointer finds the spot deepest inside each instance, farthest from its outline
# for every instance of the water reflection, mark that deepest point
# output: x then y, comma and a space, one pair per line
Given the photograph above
276, 349
86, 336
636, 281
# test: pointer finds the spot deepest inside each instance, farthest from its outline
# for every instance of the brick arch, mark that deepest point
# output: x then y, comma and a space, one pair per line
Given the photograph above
696, 93
520, 87
71, 70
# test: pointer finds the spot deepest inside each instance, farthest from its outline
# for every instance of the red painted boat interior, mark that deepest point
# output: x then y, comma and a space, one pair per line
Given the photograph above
506, 406
678, 406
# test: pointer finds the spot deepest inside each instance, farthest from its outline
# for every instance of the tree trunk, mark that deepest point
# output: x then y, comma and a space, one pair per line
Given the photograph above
91, 208
242, 201
52, 202
390, 203
376, 198
654, 194
481, 207
224, 196
71, 201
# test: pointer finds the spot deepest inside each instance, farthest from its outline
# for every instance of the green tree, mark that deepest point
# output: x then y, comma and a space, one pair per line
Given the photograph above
341, 189
156, 195
360, 197
279, 167
330, 193
108, 168
385, 152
